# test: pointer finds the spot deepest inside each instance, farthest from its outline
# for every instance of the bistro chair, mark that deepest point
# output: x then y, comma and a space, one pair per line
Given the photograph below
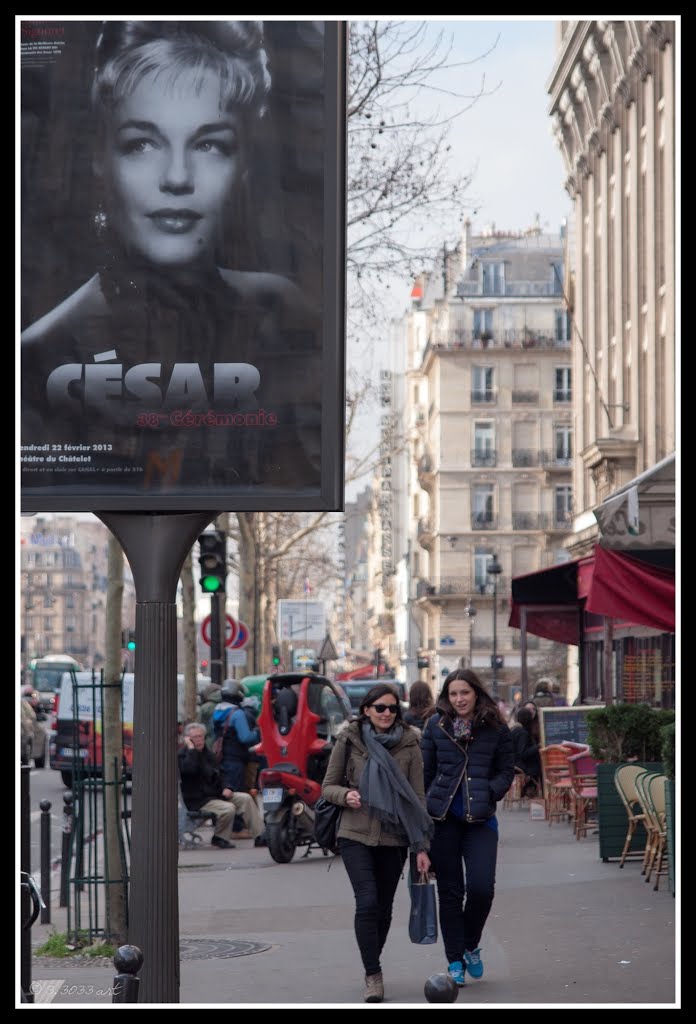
583, 776
556, 782
625, 782
519, 792
651, 822
656, 795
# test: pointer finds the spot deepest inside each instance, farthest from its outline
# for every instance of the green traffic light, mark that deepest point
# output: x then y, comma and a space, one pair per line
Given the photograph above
131, 645
211, 583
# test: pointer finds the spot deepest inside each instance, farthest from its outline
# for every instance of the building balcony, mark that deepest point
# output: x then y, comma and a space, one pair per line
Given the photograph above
525, 397
551, 460
525, 457
484, 397
481, 521
459, 588
481, 457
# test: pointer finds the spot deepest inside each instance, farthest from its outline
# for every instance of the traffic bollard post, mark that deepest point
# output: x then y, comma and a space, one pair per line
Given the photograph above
45, 806
65, 849
127, 960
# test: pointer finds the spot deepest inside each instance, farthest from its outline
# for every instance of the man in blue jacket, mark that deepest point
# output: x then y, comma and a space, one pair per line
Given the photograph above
231, 722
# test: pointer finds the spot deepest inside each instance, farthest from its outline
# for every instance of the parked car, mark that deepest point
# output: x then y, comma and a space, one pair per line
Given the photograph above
34, 736
355, 690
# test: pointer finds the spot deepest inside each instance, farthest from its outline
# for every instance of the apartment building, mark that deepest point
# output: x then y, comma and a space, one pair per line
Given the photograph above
63, 582
486, 360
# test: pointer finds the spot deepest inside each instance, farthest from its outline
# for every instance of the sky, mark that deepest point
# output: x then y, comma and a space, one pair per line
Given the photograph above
504, 140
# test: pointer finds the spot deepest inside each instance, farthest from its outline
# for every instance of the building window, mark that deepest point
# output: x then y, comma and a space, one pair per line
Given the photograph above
48, 624
493, 279
484, 445
557, 278
483, 322
482, 384
29, 624
562, 325
483, 507
563, 505
482, 582
563, 391
48, 601
563, 447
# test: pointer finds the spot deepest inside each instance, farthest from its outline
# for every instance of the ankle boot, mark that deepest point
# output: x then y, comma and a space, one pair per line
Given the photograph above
374, 988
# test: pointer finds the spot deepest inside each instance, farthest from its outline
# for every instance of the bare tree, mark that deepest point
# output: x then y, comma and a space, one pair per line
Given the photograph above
399, 178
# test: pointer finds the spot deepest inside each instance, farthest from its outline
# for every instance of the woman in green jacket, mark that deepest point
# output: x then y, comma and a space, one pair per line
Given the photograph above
376, 774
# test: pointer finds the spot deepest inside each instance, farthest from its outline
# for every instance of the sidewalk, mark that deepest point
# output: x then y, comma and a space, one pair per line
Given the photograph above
565, 930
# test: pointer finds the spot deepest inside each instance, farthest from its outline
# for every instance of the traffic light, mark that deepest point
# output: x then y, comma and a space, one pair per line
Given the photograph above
212, 561
128, 639
275, 655
497, 661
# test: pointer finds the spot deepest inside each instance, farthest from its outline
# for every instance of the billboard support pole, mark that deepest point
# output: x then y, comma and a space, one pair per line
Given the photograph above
155, 545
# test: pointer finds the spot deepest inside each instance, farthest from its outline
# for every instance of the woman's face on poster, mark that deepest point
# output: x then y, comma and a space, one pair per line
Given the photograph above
171, 164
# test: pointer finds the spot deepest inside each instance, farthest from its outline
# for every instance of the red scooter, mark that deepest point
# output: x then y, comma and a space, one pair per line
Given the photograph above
299, 719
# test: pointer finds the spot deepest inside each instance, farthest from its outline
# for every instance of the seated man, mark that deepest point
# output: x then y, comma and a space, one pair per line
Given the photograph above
202, 789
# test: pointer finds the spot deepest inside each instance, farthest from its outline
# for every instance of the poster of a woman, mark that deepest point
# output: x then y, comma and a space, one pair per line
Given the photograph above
182, 313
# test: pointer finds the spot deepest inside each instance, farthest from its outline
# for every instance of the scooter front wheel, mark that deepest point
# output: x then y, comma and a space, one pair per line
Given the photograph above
281, 845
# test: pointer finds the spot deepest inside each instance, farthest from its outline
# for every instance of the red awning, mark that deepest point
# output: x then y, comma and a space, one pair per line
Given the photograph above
628, 588
610, 583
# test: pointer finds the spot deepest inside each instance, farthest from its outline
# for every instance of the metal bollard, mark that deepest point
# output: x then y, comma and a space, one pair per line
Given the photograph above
45, 806
65, 849
25, 864
128, 960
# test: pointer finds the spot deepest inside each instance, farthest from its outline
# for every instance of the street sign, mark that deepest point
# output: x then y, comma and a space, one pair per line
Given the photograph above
301, 621
231, 630
242, 637
447, 641
328, 652
237, 658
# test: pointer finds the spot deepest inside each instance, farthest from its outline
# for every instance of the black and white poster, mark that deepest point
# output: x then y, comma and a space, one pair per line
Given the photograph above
182, 265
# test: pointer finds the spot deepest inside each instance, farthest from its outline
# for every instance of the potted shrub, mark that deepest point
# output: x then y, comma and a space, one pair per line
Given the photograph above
668, 740
617, 734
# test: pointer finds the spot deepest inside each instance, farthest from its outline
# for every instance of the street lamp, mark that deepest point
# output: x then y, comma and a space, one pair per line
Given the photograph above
494, 569
470, 613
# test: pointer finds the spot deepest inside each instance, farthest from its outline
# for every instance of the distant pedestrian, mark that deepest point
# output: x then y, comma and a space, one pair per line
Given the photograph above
542, 694
230, 720
468, 767
526, 751
211, 699
420, 705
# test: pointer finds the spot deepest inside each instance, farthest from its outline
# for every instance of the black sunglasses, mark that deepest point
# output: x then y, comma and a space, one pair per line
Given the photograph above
381, 708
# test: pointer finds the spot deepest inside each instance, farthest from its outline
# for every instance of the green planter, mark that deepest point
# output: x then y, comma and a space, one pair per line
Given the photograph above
670, 808
612, 821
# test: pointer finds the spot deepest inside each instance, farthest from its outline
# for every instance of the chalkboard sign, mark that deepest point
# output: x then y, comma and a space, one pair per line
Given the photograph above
561, 724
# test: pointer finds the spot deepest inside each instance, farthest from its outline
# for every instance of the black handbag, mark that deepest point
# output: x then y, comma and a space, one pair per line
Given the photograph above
326, 819
422, 921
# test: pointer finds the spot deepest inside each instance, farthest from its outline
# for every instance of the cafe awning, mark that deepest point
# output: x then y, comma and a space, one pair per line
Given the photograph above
621, 586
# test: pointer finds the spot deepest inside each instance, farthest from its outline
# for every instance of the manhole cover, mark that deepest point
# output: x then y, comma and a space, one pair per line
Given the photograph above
189, 949
218, 949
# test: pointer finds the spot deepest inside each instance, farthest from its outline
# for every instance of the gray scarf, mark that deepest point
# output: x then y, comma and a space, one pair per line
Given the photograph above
388, 794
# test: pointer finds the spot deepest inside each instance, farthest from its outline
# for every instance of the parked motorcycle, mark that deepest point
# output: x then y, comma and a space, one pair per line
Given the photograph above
300, 716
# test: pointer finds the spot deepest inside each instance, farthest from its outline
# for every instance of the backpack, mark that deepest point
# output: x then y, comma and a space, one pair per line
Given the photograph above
219, 741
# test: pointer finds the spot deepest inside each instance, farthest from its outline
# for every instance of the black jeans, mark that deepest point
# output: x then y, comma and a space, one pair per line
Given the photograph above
476, 845
374, 873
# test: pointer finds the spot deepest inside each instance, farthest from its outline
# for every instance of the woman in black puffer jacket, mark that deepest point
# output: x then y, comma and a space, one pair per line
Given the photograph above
468, 766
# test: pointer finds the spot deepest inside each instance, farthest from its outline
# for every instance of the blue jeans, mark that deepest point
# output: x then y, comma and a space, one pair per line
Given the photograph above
374, 873
455, 845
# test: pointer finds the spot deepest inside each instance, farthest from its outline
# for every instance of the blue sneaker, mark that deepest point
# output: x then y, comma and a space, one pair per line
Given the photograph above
474, 963
456, 971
